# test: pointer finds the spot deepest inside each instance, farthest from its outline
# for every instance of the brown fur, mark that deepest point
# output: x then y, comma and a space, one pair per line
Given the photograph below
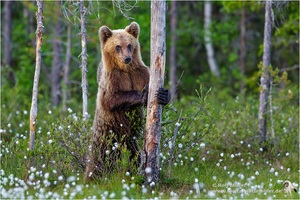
122, 91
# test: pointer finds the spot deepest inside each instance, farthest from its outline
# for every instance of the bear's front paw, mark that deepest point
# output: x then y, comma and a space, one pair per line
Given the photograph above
163, 96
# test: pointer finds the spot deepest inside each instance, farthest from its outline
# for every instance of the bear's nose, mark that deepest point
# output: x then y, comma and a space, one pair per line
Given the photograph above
127, 60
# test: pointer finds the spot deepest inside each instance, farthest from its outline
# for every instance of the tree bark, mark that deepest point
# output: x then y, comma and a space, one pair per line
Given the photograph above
66, 70
243, 49
173, 62
7, 50
265, 77
39, 40
84, 84
157, 71
7, 33
207, 38
56, 69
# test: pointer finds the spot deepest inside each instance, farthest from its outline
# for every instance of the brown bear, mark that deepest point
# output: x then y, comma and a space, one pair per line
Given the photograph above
123, 81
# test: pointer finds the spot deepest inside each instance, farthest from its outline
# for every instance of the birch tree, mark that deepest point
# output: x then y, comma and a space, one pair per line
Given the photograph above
265, 77
157, 71
207, 38
39, 39
83, 54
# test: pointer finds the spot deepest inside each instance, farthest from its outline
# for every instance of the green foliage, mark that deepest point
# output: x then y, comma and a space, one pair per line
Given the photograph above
216, 143
217, 140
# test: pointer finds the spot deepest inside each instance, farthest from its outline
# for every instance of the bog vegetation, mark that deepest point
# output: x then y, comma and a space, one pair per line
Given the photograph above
210, 146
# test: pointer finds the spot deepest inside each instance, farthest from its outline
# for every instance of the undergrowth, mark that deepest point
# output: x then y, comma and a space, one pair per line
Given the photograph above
210, 148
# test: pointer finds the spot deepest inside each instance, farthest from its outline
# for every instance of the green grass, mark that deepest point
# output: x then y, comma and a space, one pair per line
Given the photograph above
217, 153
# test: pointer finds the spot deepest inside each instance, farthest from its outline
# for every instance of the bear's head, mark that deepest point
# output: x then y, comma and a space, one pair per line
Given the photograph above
120, 47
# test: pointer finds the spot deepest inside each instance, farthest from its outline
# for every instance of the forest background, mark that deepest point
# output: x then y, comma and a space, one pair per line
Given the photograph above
237, 30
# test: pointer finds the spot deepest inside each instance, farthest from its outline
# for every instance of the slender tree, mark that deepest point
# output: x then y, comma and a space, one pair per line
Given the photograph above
265, 77
57, 64
172, 57
34, 110
84, 83
7, 33
66, 70
7, 41
214, 68
157, 71
243, 49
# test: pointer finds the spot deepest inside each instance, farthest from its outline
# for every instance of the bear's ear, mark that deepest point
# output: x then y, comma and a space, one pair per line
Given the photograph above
133, 29
104, 33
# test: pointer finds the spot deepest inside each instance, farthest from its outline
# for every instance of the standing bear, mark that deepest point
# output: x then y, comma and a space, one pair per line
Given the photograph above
123, 81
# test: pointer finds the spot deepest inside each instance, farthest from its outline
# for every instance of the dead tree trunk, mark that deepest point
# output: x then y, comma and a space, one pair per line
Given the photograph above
265, 77
207, 38
8, 41
7, 33
56, 68
157, 71
173, 62
243, 50
33, 109
84, 83
66, 71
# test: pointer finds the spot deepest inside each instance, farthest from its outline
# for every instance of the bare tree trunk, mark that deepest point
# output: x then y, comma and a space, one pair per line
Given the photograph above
84, 84
173, 62
207, 38
157, 71
29, 15
7, 50
56, 69
265, 78
66, 71
7, 33
243, 47
34, 110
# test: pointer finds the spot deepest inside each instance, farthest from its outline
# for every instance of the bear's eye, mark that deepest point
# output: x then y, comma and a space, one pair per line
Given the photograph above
129, 47
118, 48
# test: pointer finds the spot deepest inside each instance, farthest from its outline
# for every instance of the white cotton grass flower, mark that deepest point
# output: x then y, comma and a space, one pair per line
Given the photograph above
71, 179
112, 195
261, 149
152, 184
211, 194
196, 186
60, 178
144, 189
148, 170
287, 154
202, 145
